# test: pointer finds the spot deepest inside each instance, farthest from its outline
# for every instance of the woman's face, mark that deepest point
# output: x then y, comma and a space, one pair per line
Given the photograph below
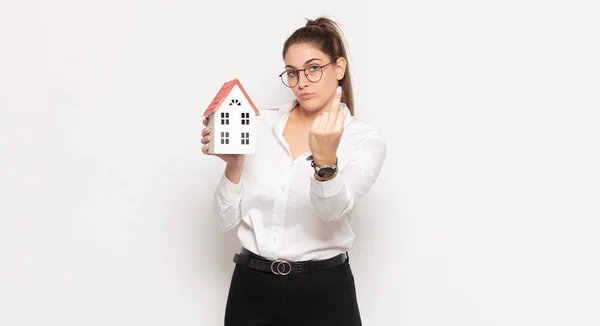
316, 92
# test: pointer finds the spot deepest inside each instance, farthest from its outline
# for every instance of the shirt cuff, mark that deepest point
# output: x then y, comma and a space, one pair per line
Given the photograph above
232, 192
327, 188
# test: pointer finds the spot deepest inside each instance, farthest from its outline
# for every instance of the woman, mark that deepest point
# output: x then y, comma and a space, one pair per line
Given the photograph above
293, 200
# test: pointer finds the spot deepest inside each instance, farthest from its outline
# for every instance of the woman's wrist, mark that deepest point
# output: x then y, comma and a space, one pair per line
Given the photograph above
329, 160
233, 170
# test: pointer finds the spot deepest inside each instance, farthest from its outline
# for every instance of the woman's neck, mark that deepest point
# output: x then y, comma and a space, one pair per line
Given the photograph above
303, 116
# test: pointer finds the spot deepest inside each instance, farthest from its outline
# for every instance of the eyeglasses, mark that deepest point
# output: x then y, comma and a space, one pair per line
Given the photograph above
313, 73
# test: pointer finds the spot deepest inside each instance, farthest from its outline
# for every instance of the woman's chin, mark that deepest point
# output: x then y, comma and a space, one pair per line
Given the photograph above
310, 105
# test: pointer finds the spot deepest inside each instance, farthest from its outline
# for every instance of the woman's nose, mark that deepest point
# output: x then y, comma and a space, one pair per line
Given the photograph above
302, 81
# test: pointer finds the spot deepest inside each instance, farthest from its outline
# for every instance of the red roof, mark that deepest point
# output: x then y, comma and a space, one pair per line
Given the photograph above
222, 94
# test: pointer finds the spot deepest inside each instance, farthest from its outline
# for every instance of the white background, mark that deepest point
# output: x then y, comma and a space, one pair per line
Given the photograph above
486, 212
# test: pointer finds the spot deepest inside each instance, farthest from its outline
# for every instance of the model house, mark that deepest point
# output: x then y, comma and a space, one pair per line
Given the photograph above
231, 118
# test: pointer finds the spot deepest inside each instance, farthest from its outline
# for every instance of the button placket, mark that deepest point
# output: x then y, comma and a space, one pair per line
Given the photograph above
280, 204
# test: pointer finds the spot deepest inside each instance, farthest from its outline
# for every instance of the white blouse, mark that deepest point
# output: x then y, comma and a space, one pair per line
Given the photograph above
282, 211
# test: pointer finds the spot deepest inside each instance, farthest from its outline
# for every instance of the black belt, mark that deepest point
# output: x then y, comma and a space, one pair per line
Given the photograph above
282, 267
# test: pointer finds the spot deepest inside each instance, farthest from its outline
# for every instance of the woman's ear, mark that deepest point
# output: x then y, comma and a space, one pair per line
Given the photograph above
340, 67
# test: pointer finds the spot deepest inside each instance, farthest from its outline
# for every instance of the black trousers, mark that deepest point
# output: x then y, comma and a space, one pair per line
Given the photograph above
326, 297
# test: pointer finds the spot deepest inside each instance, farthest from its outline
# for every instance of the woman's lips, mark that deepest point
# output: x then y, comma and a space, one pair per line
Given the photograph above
306, 96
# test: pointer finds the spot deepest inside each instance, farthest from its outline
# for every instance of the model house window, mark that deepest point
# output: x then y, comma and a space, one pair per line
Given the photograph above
224, 118
225, 137
245, 118
235, 102
245, 138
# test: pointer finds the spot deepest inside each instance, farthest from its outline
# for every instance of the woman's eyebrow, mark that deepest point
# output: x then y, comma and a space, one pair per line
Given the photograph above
307, 61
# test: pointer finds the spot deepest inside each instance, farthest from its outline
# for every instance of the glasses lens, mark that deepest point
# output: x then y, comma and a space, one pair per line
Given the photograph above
314, 73
289, 78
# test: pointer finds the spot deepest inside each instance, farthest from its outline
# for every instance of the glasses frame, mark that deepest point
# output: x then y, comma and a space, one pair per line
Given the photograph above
297, 71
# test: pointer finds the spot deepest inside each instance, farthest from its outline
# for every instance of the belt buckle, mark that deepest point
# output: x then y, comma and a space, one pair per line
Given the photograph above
281, 267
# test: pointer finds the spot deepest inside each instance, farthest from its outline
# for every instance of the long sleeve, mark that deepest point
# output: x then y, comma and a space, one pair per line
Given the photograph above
335, 198
226, 203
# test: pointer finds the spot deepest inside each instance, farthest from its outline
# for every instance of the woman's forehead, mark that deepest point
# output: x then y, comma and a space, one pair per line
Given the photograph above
299, 54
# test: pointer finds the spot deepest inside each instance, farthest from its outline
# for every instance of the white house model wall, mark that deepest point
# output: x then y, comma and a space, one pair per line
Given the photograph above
233, 125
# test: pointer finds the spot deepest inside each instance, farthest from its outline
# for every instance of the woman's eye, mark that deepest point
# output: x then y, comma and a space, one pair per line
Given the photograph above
291, 74
314, 68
